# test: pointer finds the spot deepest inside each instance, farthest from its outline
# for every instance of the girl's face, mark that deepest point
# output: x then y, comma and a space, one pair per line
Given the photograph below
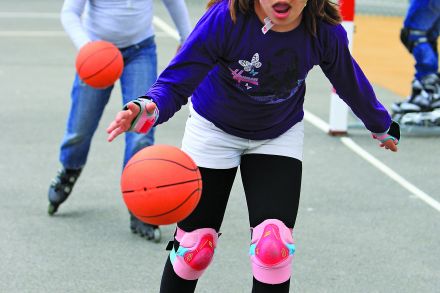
285, 14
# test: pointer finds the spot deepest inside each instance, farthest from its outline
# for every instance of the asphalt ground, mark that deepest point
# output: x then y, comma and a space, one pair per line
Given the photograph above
363, 225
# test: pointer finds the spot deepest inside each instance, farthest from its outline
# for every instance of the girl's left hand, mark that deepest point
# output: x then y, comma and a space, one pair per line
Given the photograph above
389, 145
390, 139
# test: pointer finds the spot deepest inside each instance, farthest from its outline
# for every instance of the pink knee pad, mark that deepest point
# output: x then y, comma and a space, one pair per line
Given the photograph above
271, 252
195, 252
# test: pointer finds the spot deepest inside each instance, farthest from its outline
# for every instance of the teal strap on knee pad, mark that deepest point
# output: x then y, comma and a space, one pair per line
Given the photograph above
181, 251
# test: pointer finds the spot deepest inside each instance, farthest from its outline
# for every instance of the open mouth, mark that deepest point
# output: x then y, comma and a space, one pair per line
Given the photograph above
281, 8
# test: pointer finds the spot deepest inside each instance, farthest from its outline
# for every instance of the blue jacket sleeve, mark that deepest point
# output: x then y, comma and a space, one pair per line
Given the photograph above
349, 81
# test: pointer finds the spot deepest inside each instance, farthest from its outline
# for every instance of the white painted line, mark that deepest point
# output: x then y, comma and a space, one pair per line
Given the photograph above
319, 123
316, 121
166, 28
162, 35
50, 15
19, 34
32, 34
390, 173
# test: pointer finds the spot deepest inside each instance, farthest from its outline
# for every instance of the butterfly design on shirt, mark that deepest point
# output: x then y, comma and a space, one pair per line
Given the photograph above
249, 66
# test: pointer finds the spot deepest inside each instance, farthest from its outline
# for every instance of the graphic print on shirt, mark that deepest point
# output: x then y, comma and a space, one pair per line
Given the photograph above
248, 67
278, 80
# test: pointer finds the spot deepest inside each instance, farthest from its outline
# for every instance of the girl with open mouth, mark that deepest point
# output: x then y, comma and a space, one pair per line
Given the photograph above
239, 50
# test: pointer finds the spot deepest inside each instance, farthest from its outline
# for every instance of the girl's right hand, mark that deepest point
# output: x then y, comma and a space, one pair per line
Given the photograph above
123, 121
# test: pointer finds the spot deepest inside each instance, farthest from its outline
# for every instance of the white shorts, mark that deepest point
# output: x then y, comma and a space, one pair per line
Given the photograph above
211, 147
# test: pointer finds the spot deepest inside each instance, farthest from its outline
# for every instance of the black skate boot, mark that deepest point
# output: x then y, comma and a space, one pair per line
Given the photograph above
418, 101
435, 102
431, 84
150, 232
430, 117
61, 187
433, 117
421, 108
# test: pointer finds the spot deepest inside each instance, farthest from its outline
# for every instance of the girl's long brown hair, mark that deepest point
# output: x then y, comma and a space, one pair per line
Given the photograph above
314, 11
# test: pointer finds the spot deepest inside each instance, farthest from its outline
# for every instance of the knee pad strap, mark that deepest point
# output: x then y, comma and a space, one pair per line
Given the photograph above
411, 38
195, 252
271, 252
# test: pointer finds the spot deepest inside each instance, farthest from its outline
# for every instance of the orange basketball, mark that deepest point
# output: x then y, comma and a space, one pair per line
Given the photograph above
161, 185
99, 64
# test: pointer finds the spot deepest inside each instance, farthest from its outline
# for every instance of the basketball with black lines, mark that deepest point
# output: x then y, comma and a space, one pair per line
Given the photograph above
161, 185
99, 64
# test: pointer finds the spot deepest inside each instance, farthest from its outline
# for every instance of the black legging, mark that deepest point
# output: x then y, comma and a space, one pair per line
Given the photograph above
272, 186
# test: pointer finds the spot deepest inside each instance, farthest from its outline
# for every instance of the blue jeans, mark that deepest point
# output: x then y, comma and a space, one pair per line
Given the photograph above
424, 15
140, 72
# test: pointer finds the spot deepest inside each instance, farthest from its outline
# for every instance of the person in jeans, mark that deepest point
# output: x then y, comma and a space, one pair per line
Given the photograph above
419, 35
128, 25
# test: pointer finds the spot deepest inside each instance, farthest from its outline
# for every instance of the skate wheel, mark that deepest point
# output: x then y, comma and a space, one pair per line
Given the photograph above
153, 234
157, 235
52, 209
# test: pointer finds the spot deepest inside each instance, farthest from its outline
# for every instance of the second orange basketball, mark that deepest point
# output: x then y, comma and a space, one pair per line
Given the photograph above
161, 185
99, 64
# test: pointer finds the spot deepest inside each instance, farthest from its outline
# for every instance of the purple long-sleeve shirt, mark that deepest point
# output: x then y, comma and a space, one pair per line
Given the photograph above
251, 84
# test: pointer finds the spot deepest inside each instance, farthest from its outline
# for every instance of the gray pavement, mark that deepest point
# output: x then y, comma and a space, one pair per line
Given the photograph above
357, 230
